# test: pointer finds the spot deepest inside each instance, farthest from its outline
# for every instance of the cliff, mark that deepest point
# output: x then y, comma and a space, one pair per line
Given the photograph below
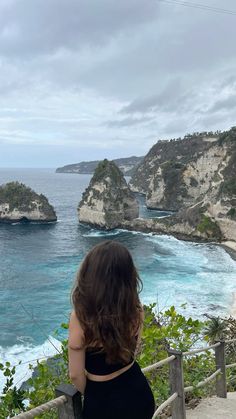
18, 203
174, 172
127, 165
195, 176
108, 201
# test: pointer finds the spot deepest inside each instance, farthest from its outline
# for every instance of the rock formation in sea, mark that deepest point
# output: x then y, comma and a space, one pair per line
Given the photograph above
108, 201
19, 203
127, 165
196, 177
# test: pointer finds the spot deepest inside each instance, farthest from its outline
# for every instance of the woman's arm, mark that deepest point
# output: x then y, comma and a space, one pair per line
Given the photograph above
138, 345
76, 353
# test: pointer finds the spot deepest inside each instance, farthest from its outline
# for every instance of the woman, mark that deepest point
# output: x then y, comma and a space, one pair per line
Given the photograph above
104, 333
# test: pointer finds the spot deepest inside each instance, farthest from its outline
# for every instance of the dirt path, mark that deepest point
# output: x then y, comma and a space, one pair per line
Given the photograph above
215, 408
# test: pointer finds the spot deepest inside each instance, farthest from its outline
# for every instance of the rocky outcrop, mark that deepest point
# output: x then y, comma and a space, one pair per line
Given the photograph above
127, 165
194, 226
195, 176
108, 201
174, 171
18, 203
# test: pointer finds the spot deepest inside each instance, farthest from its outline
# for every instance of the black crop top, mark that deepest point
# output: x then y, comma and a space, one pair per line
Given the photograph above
95, 363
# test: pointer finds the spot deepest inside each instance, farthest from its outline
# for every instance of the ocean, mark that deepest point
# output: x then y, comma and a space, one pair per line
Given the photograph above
39, 263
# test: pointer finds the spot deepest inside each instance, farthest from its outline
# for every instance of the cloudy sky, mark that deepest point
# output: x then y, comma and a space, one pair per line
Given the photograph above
87, 79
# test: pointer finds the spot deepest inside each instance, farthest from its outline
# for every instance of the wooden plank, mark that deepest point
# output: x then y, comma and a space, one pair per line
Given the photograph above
221, 386
73, 408
177, 385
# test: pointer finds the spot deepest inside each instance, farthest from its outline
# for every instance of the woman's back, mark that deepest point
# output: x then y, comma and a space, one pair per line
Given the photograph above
108, 312
96, 362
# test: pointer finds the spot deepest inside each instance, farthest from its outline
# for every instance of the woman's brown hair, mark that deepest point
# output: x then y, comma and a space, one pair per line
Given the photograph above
106, 302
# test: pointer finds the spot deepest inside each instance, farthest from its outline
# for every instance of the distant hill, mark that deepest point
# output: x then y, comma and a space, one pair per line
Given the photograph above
127, 165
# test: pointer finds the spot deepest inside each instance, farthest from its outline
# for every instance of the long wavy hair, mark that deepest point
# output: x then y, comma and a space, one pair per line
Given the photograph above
106, 301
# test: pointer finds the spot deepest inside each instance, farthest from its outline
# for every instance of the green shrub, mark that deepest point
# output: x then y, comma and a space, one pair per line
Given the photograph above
161, 331
210, 228
107, 168
232, 213
227, 136
228, 187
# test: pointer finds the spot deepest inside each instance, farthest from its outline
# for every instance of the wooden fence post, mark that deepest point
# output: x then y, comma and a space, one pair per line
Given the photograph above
73, 408
177, 385
221, 386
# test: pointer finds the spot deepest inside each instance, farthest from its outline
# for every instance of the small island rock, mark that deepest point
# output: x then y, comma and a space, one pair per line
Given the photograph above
107, 201
19, 203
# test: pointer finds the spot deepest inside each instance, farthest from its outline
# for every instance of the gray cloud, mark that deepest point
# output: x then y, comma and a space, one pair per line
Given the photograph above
128, 122
228, 103
39, 27
229, 82
112, 74
142, 105
168, 100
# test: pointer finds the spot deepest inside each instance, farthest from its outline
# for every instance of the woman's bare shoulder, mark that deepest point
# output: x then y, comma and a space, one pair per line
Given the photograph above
73, 318
142, 311
76, 333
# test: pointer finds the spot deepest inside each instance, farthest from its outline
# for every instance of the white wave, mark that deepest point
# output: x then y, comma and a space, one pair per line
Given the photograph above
98, 233
43, 222
161, 216
27, 354
34, 223
152, 235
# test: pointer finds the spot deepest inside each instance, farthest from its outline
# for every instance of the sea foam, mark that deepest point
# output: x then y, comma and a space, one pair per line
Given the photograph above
101, 233
26, 354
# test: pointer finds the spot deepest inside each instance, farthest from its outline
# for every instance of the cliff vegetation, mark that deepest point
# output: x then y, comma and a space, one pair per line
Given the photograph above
17, 200
161, 330
107, 201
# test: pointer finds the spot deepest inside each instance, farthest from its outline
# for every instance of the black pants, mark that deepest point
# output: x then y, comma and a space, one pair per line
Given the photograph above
127, 396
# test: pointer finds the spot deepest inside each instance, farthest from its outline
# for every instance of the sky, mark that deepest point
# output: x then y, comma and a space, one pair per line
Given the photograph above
89, 79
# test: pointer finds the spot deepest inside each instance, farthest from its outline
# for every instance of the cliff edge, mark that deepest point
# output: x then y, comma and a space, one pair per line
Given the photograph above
196, 177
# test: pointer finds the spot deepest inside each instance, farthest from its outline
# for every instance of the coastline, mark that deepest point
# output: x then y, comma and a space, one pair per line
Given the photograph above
228, 245
233, 307
230, 248
147, 226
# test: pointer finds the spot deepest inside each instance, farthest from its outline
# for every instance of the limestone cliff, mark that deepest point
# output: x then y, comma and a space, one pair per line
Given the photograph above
18, 203
195, 176
173, 170
107, 201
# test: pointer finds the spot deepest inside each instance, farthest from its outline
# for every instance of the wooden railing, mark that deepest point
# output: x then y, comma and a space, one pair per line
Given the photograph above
68, 403
69, 400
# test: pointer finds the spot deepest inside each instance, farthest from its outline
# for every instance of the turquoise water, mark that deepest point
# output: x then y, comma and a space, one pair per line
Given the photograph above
39, 263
